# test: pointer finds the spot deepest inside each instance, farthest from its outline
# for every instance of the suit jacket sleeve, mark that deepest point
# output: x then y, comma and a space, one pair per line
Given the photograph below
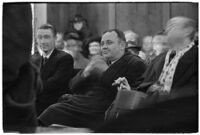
135, 71
62, 75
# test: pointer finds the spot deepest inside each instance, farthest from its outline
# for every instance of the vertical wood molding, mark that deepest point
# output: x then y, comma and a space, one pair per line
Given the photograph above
166, 13
111, 16
40, 14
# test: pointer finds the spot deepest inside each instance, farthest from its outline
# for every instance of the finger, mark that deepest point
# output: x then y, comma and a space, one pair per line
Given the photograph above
123, 87
118, 88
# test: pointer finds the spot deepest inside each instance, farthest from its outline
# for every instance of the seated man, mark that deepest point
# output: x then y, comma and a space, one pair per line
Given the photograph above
123, 63
171, 82
177, 68
86, 106
84, 111
56, 68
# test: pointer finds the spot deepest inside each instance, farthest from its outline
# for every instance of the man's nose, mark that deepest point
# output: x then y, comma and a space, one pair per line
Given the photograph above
104, 46
42, 40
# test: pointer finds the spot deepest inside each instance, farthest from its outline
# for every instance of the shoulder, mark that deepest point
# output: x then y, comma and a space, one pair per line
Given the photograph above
35, 57
159, 58
133, 59
62, 55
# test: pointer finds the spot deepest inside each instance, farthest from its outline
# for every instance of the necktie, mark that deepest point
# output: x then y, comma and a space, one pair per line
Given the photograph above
171, 56
44, 61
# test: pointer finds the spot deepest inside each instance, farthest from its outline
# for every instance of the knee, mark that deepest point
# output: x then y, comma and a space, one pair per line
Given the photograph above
47, 116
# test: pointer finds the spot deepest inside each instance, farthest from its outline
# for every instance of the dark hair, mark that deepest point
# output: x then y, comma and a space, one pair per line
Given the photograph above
48, 26
119, 33
162, 32
71, 35
87, 42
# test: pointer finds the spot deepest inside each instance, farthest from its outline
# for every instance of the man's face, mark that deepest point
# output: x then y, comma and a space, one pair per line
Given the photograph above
147, 44
111, 46
45, 39
159, 44
176, 33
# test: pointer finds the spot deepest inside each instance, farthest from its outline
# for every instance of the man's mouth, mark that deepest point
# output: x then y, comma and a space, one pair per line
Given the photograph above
104, 52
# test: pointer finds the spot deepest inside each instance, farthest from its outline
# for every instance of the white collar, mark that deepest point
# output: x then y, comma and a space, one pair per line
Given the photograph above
48, 55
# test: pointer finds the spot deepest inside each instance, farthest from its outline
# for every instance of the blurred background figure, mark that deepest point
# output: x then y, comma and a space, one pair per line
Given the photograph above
59, 41
80, 25
73, 45
196, 38
92, 47
20, 77
147, 49
159, 43
132, 40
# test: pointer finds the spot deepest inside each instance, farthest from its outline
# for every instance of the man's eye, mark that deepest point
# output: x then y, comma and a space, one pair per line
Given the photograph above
109, 42
46, 36
39, 37
102, 43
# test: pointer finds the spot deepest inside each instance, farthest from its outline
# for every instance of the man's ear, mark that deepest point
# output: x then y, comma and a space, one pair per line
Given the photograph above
188, 31
123, 44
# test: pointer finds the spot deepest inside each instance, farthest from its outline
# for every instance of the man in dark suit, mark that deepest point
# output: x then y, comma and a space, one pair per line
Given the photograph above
170, 82
56, 68
74, 111
177, 68
123, 63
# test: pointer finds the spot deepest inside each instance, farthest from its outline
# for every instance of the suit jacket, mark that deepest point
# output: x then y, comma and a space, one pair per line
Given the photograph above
130, 66
186, 73
18, 74
55, 75
179, 115
85, 108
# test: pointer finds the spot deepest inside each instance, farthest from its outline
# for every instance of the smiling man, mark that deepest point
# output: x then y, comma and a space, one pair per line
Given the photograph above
123, 64
56, 68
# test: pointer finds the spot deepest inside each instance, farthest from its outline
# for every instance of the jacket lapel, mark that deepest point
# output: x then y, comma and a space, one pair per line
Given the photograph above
115, 70
45, 69
184, 63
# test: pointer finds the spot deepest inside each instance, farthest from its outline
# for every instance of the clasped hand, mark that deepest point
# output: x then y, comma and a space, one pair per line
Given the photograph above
122, 84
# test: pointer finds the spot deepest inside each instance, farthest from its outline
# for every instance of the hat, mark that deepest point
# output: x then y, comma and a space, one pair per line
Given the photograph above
71, 35
133, 44
78, 18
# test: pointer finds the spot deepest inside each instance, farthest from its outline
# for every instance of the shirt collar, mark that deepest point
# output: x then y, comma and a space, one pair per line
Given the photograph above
184, 49
48, 55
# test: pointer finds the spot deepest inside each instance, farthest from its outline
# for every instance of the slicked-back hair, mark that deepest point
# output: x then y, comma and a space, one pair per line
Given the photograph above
48, 26
186, 22
119, 33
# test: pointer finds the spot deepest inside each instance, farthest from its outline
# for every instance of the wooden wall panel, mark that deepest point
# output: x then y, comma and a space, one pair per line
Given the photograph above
185, 9
143, 18
59, 15
96, 14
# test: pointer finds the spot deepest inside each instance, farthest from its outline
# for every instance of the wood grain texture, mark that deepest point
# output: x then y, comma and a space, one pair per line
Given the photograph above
143, 18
